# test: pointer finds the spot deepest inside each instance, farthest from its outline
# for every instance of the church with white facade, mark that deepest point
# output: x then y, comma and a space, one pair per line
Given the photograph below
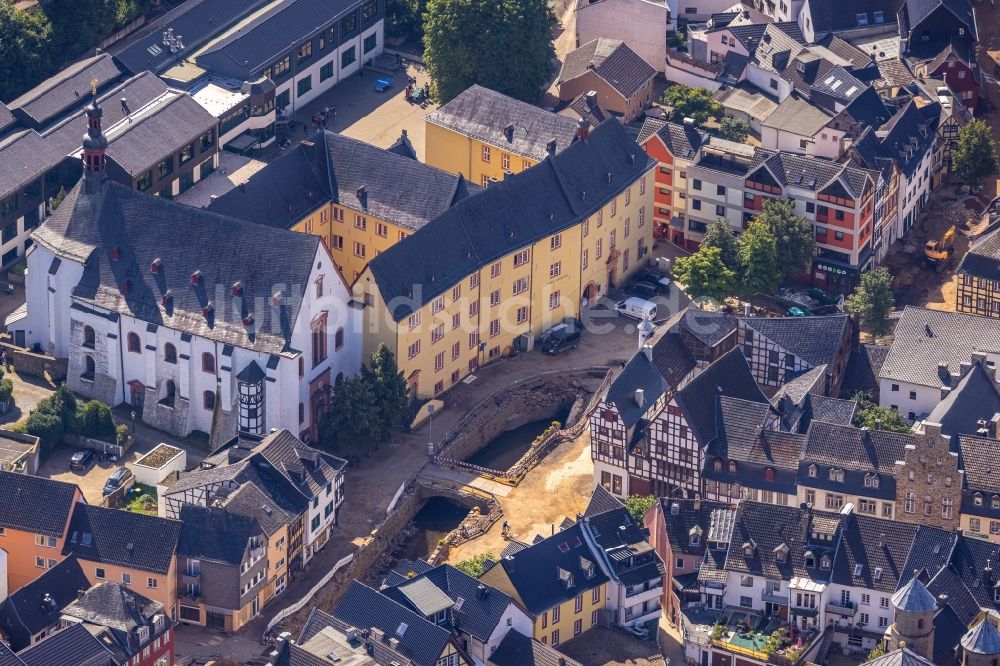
197, 320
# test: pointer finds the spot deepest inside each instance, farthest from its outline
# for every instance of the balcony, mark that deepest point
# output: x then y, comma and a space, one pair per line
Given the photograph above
773, 596
635, 590
845, 608
763, 639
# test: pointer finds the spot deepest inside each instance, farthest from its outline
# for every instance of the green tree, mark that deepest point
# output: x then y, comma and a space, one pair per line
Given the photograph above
876, 652
94, 420
505, 45
976, 154
705, 274
688, 102
637, 505
405, 18
48, 427
392, 395
872, 301
721, 235
475, 566
350, 425
871, 415
793, 234
25, 52
759, 268
732, 129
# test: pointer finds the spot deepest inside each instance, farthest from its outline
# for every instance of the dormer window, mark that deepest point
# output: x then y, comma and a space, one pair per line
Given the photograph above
977, 499
824, 562
694, 536
154, 267
196, 277
871, 480
769, 474
810, 559
732, 467
995, 502
781, 553
167, 299
717, 465
748, 548
116, 254
237, 289
812, 471
836, 474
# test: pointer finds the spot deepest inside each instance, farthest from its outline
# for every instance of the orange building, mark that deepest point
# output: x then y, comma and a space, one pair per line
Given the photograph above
34, 519
133, 549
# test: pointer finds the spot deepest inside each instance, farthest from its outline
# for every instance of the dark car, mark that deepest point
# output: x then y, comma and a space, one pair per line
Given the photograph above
117, 480
661, 282
642, 290
81, 459
560, 337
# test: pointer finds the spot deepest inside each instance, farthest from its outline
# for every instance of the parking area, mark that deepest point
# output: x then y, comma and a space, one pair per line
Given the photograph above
91, 480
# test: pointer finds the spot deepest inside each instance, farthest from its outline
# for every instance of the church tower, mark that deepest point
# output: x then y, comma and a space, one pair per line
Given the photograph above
913, 622
981, 645
95, 144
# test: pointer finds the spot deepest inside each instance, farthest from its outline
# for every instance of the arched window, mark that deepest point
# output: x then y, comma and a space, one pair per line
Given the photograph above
89, 368
977, 499
718, 465
208, 400
133, 343
170, 392
208, 362
338, 339
89, 338
170, 353
812, 471
769, 474
920, 624
732, 467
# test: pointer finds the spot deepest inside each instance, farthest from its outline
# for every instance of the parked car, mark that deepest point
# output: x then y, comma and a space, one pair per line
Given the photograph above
662, 282
560, 337
636, 308
117, 480
81, 459
644, 290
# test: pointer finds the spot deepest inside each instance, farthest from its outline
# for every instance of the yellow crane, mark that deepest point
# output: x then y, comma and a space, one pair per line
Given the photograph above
938, 252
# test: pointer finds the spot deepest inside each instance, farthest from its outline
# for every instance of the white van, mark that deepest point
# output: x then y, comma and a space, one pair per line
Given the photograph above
636, 308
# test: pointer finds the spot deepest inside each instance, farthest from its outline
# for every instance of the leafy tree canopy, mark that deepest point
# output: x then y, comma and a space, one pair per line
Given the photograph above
872, 301
721, 235
793, 234
637, 506
732, 129
976, 154
505, 45
688, 102
475, 566
705, 274
759, 268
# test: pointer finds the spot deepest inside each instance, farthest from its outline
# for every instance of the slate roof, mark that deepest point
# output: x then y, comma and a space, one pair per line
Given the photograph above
843, 49
72, 646
691, 514
420, 640
403, 147
910, 123
250, 501
483, 114
8, 658
85, 229
25, 613
918, 10
332, 168
442, 587
855, 448
766, 527
6, 118
869, 544
750, 33
600, 501
923, 338
815, 340
730, 376
671, 363
612, 60
968, 563
984, 638
808, 172
281, 448
980, 462
404, 570
983, 258
833, 410
837, 15
21, 495
481, 229
620, 537
867, 109
899, 657
975, 398
913, 597
157, 132
122, 538
68, 88
863, 369
516, 649
113, 605
710, 328
197, 21
268, 36
533, 571
215, 534
681, 140
587, 108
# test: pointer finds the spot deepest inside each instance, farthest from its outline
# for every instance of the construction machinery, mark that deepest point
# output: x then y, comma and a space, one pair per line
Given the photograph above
938, 252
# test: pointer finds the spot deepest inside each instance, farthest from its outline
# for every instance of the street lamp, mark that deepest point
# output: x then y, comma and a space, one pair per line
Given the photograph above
133, 423
430, 429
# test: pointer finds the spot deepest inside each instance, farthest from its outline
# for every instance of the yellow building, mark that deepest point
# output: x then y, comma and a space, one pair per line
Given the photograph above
487, 136
359, 199
498, 269
558, 582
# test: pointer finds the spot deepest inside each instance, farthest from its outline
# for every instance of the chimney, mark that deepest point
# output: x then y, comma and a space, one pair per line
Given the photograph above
964, 368
155, 266
878, 424
482, 591
309, 149
196, 277
943, 372
648, 351
675, 508
363, 197
592, 99
993, 426
508, 131
689, 122
640, 397
550, 147
583, 130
